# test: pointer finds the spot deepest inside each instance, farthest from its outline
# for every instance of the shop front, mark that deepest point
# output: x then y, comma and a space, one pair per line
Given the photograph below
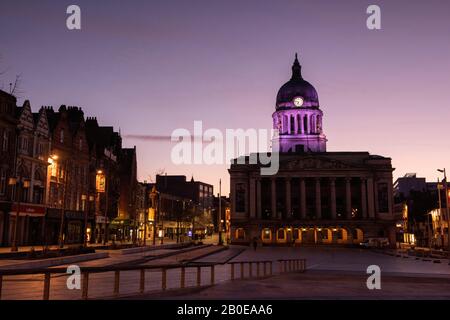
31, 228
74, 227
100, 222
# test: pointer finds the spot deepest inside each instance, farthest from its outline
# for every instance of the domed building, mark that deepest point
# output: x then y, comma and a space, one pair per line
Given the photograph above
298, 117
316, 197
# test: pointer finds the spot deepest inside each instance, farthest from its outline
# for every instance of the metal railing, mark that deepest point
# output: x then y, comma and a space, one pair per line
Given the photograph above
191, 272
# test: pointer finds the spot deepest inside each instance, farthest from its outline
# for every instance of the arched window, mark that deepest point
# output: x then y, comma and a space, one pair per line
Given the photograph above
299, 123
266, 234
312, 124
319, 124
240, 234
292, 124
37, 175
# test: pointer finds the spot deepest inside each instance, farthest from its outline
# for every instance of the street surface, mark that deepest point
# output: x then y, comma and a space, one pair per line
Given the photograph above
332, 272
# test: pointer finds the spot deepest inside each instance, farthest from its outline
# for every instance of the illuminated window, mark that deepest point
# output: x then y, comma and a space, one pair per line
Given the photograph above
266, 234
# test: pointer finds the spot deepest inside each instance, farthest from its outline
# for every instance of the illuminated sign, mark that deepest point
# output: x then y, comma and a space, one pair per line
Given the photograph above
100, 182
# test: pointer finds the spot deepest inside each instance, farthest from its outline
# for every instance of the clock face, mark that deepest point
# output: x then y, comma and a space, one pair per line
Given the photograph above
298, 102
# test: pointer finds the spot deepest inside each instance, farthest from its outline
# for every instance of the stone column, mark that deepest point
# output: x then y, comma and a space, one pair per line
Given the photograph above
258, 199
302, 198
318, 200
273, 198
348, 198
333, 197
252, 198
363, 198
370, 197
288, 197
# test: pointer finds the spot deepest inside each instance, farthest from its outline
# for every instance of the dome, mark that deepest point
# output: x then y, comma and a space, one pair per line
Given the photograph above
297, 87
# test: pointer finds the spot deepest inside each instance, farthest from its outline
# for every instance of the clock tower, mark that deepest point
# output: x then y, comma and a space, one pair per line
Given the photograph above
298, 117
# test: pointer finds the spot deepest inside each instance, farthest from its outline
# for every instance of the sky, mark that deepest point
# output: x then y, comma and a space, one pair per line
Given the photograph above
150, 67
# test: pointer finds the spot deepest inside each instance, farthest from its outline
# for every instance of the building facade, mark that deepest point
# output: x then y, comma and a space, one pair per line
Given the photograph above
317, 197
8, 136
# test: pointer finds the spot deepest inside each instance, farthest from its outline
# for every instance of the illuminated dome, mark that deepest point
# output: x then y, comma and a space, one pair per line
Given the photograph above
297, 87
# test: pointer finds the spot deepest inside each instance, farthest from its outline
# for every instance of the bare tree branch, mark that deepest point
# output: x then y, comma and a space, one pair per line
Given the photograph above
15, 88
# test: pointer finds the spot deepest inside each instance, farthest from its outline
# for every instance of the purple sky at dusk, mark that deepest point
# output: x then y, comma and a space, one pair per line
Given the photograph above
150, 67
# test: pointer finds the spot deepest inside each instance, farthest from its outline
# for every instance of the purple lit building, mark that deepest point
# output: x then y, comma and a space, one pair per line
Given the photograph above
317, 197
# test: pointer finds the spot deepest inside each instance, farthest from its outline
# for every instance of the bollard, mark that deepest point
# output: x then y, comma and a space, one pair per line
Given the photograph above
271, 267
199, 277
142, 281
164, 279
265, 269
232, 271
250, 269
281, 266
47, 286
116, 282
212, 275
182, 278
85, 287
257, 270
242, 270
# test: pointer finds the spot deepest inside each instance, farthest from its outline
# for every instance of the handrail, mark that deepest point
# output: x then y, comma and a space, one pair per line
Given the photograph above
286, 265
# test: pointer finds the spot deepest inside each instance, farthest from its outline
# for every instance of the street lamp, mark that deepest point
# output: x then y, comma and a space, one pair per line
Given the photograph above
447, 209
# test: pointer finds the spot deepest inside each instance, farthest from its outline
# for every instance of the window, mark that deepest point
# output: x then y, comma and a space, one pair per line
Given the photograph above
2, 181
240, 197
266, 234
80, 144
383, 196
24, 144
325, 234
5, 141
340, 234
61, 136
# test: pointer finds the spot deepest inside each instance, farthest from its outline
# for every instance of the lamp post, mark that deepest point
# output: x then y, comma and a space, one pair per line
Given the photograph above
220, 213
447, 209
154, 197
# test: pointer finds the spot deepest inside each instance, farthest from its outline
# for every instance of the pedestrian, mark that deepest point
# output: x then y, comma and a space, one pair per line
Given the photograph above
255, 243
